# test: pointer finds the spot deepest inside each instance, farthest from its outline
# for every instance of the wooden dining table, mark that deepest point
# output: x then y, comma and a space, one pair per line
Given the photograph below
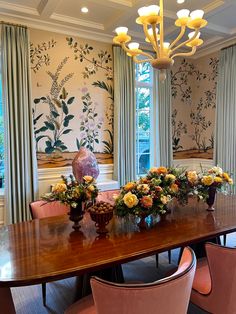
48, 249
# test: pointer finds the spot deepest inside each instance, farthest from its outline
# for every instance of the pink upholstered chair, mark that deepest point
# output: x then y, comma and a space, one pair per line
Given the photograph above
42, 209
149, 298
214, 286
107, 196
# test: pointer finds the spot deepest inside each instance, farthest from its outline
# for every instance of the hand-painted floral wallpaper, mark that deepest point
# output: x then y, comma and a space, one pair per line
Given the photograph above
72, 92
194, 101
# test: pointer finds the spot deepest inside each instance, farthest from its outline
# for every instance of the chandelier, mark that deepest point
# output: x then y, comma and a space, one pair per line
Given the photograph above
152, 20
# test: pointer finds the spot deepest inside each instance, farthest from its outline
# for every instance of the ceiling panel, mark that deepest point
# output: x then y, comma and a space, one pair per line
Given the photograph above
26, 3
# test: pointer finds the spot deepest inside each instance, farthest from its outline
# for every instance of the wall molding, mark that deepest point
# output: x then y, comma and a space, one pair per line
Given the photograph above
193, 163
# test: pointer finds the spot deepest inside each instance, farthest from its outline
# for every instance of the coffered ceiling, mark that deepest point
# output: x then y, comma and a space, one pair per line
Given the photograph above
105, 15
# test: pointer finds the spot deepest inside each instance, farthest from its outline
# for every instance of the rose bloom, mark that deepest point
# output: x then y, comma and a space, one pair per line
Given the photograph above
91, 188
130, 200
216, 170
88, 179
207, 180
146, 201
230, 181
170, 176
162, 170
129, 186
143, 187
164, 199
218, 180
174, 187
154, 170
59, 188
226, 176
158, 188
192, 176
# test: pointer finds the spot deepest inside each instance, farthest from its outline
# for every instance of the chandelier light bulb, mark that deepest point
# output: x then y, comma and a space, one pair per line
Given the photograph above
143, 11
133, 46
166, 45
197, 14
153, 10
183, 13
190, 35
180, 1
121, 30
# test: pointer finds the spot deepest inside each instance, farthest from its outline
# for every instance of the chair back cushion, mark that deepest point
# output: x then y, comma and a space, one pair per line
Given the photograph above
167, 296
107, 196
42, 209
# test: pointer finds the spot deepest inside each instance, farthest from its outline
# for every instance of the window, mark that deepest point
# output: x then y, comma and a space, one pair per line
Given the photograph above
144, 114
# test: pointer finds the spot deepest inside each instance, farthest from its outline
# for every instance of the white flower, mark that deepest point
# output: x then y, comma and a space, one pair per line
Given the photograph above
217, 170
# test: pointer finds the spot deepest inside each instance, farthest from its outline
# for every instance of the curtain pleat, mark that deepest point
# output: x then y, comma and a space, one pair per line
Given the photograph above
124, 117
164, 120
20, 156
225, 140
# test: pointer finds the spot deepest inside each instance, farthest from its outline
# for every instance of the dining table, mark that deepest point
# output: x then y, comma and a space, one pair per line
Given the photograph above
48, 249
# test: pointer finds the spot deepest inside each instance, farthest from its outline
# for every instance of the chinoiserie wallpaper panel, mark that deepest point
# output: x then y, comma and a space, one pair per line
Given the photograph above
194, 100
72, 97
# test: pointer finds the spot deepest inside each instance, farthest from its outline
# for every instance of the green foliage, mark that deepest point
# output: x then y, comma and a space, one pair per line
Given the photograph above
108, 145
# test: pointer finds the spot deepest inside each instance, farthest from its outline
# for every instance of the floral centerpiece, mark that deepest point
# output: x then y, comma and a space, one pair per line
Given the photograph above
211, 181
73, 193
148, 195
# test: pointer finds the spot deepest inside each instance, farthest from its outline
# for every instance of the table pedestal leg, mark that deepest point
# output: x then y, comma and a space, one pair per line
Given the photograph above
6, 302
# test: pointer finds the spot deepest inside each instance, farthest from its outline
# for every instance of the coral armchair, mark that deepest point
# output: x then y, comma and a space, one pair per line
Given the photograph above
42, 209
214, 286
149, 298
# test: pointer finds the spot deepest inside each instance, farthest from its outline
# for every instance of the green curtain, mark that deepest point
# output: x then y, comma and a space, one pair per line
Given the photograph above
225, 140
124, 117
20, 157
163, 114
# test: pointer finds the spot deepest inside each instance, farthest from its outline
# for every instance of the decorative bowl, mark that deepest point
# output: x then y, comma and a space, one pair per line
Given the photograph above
101, 213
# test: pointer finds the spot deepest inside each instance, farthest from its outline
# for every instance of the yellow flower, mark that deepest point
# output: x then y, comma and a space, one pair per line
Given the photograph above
164, 199
218, 179
207, 180
230, 181
170, 177
130, 200
129, 186
143, 187
91, 188
192, 176
88, 179
59, 188
226, 176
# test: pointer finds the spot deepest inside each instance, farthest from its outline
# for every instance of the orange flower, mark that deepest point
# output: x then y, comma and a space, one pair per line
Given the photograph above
192, 176
174, 187
129, 186
162, 170
158, 188
146, 201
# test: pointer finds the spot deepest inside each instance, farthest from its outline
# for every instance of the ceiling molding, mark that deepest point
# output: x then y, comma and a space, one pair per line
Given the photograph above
18, 8
47, 7
71, 20
219, 29
56, 28
213, 5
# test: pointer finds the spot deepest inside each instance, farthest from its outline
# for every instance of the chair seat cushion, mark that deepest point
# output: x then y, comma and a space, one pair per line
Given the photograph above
202, 279
83, 306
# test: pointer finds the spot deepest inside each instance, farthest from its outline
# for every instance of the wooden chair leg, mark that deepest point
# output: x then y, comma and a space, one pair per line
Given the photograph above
225, 236
157, 260
169, 256
44, 293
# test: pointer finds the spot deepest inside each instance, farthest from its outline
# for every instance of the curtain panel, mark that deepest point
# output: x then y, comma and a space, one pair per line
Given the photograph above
124, 117
225, 140
20, 156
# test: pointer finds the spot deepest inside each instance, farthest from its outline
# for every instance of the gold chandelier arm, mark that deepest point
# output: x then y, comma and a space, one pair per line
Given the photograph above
155, 40
161, 27
139, 52
150, 38
136, 60
183, 54
187, 41
181, 34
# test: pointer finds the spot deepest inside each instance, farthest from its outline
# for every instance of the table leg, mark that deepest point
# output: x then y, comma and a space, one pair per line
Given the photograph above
6, 302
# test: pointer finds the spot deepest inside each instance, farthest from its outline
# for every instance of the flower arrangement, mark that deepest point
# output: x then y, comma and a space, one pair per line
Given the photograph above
213, 178
148, 195
71, 192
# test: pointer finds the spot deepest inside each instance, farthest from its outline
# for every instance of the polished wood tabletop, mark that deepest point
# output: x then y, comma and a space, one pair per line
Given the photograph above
48, 249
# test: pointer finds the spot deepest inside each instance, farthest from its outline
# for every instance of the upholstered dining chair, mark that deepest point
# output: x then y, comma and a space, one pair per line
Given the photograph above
214, 286
149, 298
42, 209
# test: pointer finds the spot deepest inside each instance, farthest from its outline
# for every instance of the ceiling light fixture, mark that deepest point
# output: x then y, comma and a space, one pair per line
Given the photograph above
180, 1
152, 20
84, 10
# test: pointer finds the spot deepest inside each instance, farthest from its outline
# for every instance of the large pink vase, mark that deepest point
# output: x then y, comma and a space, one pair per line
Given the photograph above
85, 164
